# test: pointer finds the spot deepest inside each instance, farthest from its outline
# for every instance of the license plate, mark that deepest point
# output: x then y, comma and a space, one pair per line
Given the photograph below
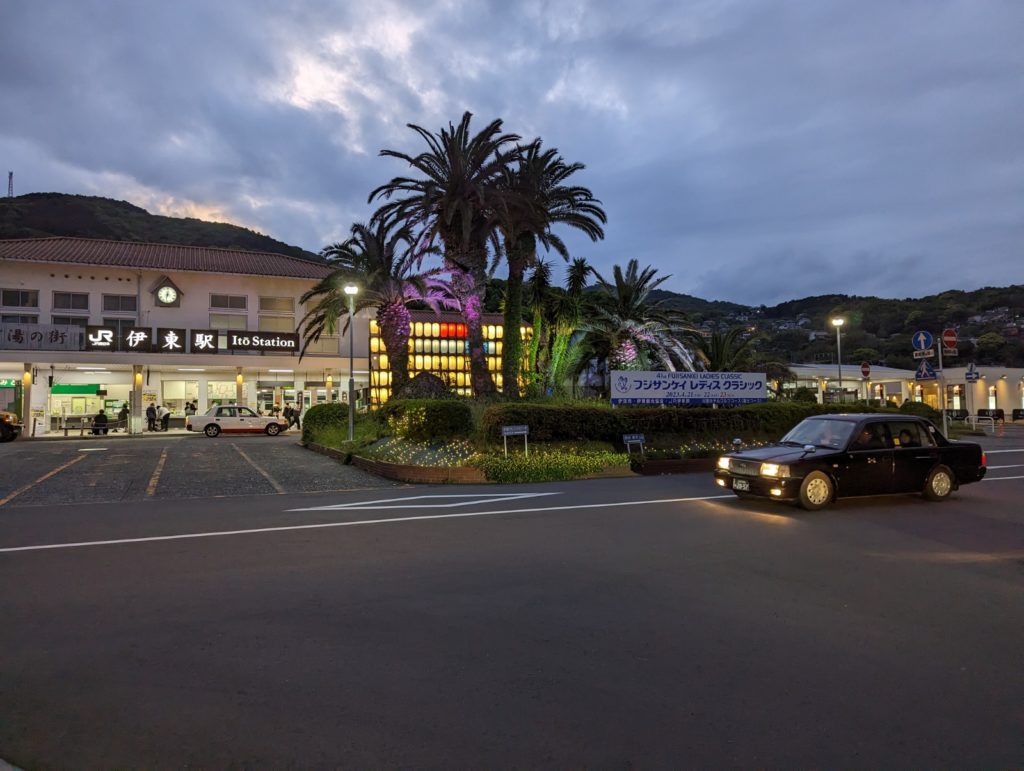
740, 484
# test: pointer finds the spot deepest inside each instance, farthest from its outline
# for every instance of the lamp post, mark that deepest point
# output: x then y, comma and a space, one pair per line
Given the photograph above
838, 324
351, 290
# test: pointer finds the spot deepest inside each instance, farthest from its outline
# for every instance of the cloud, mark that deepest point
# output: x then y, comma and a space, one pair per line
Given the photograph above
757, 151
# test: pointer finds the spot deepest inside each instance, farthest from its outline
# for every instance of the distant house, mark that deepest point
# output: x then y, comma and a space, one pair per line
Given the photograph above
818, 335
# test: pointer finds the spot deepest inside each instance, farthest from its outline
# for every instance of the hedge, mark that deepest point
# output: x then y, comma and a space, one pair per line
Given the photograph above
607, 424
321, 416
427, 420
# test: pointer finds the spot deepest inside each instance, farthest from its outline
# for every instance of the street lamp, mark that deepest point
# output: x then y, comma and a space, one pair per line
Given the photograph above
351, 290
838, 324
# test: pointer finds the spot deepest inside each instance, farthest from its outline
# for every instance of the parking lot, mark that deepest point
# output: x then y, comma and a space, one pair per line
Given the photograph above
117, 470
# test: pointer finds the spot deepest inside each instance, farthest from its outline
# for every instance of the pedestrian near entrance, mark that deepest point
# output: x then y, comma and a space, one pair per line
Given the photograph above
151, 417
99, 423
287, 414
122, 417
297, 415
165, 418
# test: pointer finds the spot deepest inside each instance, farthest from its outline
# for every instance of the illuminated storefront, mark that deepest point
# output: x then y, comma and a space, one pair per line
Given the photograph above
439, 344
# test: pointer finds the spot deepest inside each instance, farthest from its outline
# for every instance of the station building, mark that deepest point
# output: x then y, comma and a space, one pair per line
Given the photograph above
88, 324
985, 387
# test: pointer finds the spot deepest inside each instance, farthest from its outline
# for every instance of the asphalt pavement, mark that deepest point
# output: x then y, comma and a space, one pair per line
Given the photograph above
646, 622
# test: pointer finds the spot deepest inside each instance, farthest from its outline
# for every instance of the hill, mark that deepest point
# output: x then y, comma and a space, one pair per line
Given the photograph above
37, 215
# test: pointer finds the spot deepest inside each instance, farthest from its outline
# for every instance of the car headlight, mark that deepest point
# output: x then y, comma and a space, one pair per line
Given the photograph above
774, 470
723, 462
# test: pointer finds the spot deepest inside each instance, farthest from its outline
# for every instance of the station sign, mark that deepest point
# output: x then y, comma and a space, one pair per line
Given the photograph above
203, 341
263, 341
8, 382
170, 340
688, 387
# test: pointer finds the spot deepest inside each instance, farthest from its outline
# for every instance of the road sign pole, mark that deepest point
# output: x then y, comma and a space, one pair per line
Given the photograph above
942, 394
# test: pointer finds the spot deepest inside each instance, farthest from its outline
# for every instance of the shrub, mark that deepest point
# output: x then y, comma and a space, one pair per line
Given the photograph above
921, 410
545, 466
425, 385
427, 420
604, 423
322, 417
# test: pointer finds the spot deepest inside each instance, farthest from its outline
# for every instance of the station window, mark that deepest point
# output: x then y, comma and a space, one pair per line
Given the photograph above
229, 302
276, 324
18, 318
77, 301
122, 326
120, 303
227, 321
277, 304
70, 321
19, 298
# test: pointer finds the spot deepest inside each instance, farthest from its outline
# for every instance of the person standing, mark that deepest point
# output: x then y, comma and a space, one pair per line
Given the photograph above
165, 419
287, 414
297, 415
151, 417
122, 418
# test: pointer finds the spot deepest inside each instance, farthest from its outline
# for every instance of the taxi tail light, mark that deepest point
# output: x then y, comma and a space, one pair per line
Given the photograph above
984, 459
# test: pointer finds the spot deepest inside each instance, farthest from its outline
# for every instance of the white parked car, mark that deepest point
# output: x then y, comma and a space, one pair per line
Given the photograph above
234, 419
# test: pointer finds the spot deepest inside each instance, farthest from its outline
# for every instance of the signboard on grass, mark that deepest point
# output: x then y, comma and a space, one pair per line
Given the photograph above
724, 388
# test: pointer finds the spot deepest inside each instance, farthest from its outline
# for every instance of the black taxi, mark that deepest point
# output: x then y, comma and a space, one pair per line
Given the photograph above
830, 456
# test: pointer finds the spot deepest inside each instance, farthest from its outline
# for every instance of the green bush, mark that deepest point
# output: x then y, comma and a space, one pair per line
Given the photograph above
604, 423
542, 466
322, 417
427, 420
921, 410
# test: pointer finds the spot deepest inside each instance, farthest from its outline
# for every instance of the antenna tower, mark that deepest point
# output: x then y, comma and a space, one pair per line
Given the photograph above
10, 184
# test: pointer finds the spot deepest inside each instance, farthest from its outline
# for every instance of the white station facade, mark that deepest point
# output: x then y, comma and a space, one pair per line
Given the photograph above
89, 324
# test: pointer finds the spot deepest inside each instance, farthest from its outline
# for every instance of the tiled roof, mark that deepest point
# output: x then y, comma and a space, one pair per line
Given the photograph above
162, 257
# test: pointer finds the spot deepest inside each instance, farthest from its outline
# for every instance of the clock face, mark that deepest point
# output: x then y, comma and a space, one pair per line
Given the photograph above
167, 294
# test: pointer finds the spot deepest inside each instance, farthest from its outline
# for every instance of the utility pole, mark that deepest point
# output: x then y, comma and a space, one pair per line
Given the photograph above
10, 184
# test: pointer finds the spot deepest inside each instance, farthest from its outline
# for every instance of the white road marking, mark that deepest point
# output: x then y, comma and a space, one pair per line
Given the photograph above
999, 479
996, 452
404, 503
323, 525
1014, 465
92, 449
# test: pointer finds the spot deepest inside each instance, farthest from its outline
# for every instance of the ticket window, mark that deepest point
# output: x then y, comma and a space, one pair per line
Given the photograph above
176, 393
220, 392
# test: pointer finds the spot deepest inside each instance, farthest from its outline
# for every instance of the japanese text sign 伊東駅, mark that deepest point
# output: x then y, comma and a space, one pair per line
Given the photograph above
688, 387
169, 340
203, 341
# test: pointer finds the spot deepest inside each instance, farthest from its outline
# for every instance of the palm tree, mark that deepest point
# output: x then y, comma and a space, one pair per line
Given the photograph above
627, 330
721, 351
388, 273
569, 308
538, 200
457, 198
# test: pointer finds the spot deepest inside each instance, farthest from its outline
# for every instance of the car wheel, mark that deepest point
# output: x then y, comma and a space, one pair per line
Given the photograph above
273, 429
939, 484
816, 491
212, 430
7, 435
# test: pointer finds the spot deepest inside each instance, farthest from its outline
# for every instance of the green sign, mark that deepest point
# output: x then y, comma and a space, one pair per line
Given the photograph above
79, 390
9, 382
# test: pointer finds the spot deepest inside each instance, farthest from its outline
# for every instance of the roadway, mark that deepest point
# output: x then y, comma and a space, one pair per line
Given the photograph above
620, 622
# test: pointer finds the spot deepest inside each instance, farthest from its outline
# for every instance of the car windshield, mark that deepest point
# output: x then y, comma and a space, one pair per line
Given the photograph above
833, 434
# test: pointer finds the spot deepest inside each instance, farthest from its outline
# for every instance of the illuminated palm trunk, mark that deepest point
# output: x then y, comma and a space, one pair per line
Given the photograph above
393, 321
469, 291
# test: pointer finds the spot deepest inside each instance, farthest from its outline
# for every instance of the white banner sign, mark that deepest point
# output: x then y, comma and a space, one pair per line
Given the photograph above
688, 387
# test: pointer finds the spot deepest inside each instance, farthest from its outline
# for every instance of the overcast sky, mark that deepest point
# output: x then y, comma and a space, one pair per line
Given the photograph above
757, 151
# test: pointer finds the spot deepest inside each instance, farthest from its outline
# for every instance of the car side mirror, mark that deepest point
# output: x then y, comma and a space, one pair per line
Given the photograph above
809, 448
